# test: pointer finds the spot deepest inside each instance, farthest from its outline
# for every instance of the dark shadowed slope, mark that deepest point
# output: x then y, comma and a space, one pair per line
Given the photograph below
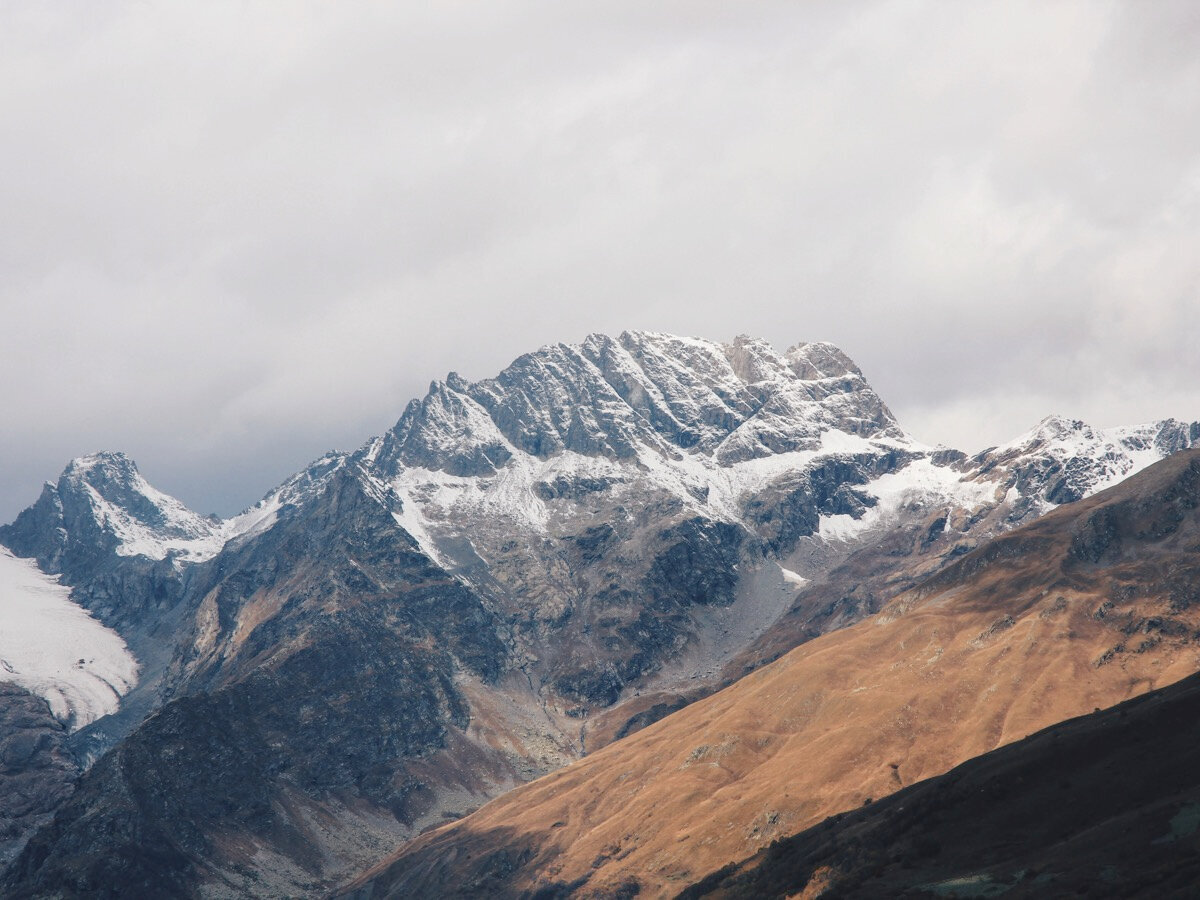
305, 733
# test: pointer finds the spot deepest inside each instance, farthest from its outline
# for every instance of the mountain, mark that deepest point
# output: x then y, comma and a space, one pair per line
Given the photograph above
521, 571
1091, 604
122, 547
102, 505
1064, 460
37, 769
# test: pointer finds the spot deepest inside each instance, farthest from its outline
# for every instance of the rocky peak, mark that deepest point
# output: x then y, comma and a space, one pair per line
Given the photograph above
754, 360
1170, 436
103, 466
445, 430
1061, 460
122, 500
101, 505
616, 397
1055, 428
820, 360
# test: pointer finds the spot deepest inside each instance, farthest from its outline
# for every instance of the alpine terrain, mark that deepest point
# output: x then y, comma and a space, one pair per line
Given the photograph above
536, 568
1095, 602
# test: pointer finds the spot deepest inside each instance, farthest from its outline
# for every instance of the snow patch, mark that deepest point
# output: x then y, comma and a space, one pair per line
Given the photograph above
55, 649
793, 578
195, 538
920, 482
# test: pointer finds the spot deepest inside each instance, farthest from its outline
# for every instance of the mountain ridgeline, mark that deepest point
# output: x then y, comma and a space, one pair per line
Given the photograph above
521, 571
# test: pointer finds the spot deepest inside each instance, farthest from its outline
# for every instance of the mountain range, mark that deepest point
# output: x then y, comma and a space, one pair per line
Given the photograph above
521, 572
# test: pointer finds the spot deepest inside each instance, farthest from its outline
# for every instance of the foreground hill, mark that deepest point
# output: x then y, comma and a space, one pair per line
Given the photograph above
1092, 604
1103, 805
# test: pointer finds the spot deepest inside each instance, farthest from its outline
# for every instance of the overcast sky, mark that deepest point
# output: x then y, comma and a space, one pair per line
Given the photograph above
234, 235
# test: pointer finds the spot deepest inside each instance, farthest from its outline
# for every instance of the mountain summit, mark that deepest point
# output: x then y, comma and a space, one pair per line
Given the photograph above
614, 397
102, 503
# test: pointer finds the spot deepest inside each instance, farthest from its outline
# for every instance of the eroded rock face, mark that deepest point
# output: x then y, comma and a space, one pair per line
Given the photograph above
37, 771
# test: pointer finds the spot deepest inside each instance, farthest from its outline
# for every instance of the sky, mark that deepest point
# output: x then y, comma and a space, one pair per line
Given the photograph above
235, 235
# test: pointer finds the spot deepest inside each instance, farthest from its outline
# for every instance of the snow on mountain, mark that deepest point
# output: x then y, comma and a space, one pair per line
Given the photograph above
704, 422
625, 519
143, 520
54, 648
620, 440
265, 513
613, 396
1062, 460
103, 500
921, 482
711, 425
708, 423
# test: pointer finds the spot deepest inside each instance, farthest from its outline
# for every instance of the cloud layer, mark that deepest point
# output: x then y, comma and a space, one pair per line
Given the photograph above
235, 235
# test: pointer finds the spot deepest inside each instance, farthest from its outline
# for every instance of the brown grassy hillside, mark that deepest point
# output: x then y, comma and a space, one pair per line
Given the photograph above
1104, 805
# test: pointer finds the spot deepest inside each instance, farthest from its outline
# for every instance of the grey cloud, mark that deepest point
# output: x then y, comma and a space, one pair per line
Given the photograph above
233, 236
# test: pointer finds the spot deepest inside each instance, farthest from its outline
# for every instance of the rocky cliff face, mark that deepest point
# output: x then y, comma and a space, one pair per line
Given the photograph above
522, 569
617, 397
37, 771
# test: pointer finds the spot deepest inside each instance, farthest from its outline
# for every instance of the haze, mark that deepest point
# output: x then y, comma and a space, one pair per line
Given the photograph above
233, 236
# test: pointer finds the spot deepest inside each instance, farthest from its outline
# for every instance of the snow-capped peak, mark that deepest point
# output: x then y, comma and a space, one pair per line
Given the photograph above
817, 359
1061, 460
1050, 429
143, 520
613, 397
